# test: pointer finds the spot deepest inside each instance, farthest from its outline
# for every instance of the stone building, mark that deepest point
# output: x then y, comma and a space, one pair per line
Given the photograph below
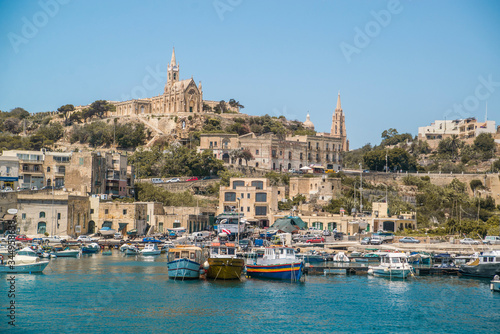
56, 213
122, 217
321, 188
255, 198
9, 172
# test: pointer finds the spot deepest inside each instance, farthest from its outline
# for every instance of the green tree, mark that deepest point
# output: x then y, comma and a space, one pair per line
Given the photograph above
485, 144
65, 111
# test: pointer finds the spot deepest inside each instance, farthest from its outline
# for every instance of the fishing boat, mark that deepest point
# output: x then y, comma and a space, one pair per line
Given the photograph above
495, 283
392, 265
184, 262
223, 263
486, 264
25, 261
91, 248
419, 258
130, 249
67, 252
107, 231
277, 263
150, 249
311, 257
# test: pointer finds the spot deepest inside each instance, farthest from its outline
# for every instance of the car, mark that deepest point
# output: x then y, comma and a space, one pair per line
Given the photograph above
172, 180
338, 235
34, 188
376, 240
315, 240
7, 190
48, 188
54, 239
85, 238
409, 240
491, 240
469, 241
192, 179
327, 233
23, 237
366, 171
245, 244
150, 239
118, 236
366, 241
156, 180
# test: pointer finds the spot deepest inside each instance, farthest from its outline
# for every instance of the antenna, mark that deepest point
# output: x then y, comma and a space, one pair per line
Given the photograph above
486, 114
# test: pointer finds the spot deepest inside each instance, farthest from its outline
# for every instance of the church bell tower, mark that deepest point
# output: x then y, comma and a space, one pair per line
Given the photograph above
173, 71
338, 126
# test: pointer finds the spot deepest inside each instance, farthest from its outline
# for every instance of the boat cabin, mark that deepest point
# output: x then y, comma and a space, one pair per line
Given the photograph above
274, 253
393, 259
222, 250
189, 253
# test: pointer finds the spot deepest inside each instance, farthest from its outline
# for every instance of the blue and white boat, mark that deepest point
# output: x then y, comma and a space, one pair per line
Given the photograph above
26, 261
149, 250
495, 283
91, 248
277, 263
392, 265
184, 262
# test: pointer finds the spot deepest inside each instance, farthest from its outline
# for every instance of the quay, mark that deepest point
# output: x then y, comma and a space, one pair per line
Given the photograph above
353, 268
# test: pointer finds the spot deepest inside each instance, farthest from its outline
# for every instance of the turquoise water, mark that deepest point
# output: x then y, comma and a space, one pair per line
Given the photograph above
111, 294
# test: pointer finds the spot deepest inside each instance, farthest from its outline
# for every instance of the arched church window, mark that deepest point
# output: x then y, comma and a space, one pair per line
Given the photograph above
335, 129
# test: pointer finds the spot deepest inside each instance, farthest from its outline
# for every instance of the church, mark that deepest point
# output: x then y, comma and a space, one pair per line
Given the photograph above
179, 96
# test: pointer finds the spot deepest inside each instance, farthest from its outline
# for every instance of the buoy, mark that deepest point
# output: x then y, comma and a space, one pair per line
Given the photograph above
206, 265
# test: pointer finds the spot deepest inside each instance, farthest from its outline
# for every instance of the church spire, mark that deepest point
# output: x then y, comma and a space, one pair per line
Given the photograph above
339, 108
172, 61
173, 72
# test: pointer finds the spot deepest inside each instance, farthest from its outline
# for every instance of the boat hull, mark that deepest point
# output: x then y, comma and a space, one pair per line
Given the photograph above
183, 269
486, 270
24, 268
288, 271
150, 253
130, 251
389, 273
225, 268
90, 250
495, 286
67, 253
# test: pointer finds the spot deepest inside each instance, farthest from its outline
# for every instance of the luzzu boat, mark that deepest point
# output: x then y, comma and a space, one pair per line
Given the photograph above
277, 263
223, 263
26, 261
392, 265
184, 262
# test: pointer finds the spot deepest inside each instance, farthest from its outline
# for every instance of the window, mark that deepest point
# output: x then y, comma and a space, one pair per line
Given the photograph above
24, 216
290, 155
125, 212
256, 152
48, 169
41, 215
261, 197
91, 211
258, 184
248, 209
106, 211
81, 161
59, 216
317, 146
238, 184
42, 228
62, 169
261, 210
230, 197
248, 195
301, 156
241, 209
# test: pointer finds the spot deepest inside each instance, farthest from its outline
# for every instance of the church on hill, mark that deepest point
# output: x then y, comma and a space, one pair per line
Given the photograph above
179, 96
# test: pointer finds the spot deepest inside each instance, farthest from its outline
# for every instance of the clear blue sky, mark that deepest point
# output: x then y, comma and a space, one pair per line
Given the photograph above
275, 57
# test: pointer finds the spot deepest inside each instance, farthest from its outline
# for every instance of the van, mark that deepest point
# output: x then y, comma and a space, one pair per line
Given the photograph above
156, 180
491, 240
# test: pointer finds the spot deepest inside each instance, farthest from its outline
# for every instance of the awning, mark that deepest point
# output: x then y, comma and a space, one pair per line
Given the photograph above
8, 217
121, 226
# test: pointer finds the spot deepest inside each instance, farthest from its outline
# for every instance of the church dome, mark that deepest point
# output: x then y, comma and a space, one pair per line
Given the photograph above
308, 124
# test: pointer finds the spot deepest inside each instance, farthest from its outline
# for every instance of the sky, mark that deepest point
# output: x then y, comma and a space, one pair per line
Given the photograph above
396, 64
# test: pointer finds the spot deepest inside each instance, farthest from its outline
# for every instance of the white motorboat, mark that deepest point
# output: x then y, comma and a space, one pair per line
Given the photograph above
26, 261
132, 250
67, 252
495, 283
392, 265
341, 257
150, 249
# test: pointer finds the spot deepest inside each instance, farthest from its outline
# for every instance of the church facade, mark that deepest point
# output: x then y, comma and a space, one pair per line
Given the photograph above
179, 96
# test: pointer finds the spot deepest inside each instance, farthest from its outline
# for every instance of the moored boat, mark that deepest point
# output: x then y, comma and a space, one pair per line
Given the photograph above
107, 231
26, 261
184, 262
67, 252
392, 265
91, 248
486, 264
341, 257
277, 263
223, 263
150, 249
131, 250
495, 283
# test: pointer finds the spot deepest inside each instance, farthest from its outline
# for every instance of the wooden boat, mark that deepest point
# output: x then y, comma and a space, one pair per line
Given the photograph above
223, 263
184, 262
392, 265
150, 249
91, 248
26, 261
277, 263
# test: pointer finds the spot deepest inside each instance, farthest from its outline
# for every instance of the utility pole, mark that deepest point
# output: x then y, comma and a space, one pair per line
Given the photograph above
361, 189
386, 168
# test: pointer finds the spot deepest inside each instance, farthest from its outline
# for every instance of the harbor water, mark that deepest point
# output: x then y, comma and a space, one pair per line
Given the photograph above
112, 294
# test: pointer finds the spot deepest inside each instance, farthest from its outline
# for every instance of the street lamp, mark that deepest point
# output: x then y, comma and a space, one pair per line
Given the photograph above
238, 235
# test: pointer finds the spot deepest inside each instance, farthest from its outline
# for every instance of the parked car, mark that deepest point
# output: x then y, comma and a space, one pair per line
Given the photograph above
174, 179
469, 241
338, 235
48, 188
409, 240
7, 190
376, 240
54, 239
491, 240
192, 179
366, 241
23, 237
315, 240
327, 233
118, 236
245, 244
85, 238
156, 180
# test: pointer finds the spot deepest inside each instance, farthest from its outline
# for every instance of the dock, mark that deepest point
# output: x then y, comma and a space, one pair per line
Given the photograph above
353, 268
